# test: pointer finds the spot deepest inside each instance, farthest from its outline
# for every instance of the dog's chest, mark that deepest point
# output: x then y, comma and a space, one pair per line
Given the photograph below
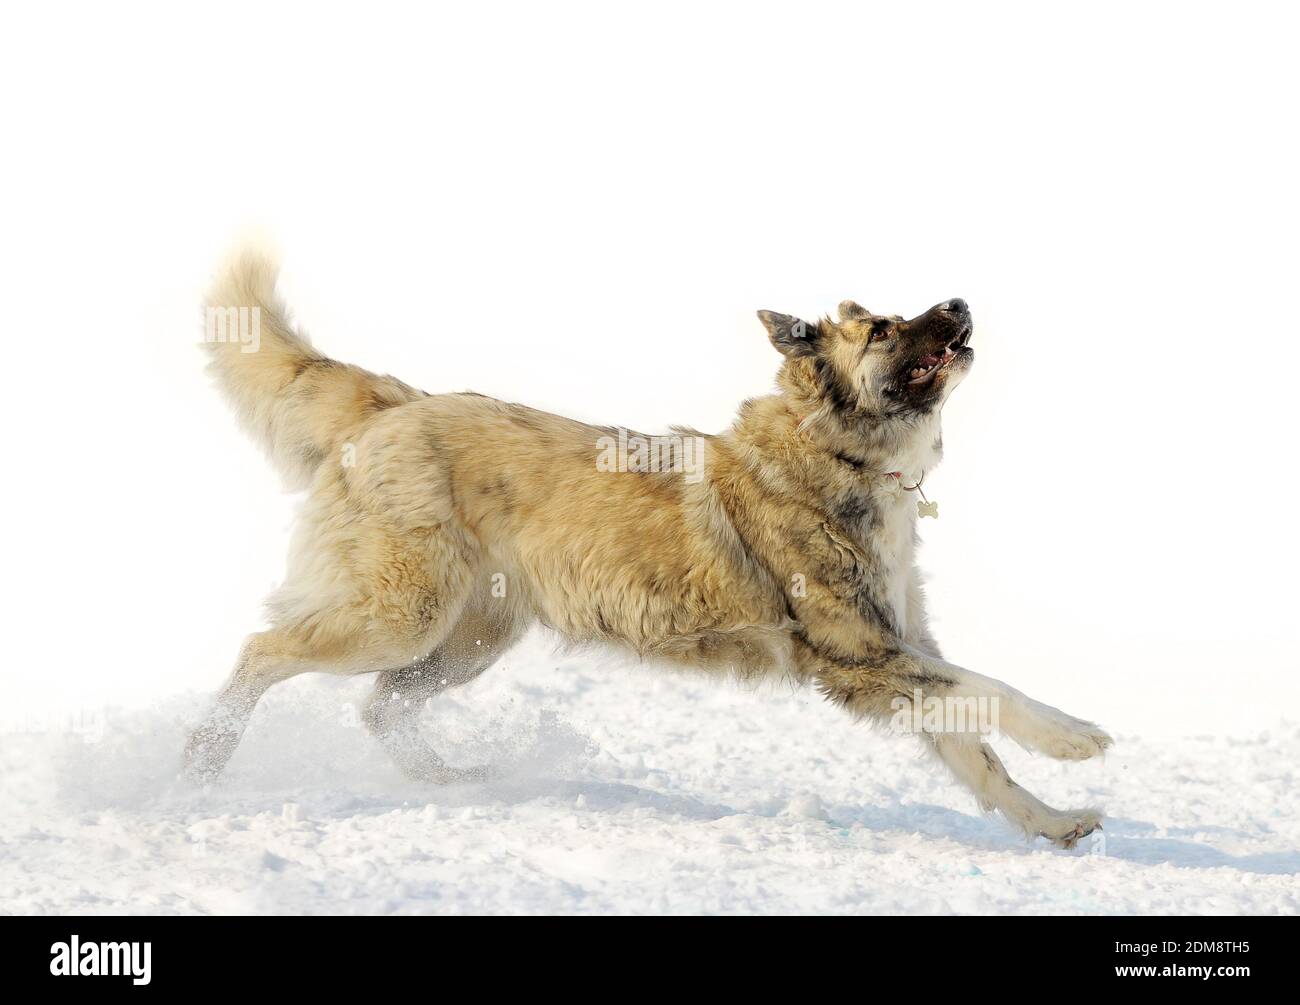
889, 530
885, 535
890, 540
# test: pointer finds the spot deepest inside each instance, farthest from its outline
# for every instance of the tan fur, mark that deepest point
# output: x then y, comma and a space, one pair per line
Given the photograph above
434, 519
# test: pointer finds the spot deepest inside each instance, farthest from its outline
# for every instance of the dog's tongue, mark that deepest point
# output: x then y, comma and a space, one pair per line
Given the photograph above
929, 361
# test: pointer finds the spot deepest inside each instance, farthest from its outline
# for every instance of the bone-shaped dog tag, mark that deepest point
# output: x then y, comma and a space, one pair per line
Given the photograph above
927, 508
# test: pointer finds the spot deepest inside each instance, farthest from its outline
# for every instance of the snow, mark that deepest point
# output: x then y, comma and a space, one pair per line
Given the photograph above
620, 789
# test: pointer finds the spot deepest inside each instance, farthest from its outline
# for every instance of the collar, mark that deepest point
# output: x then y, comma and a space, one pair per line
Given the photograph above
860, 465
908, 488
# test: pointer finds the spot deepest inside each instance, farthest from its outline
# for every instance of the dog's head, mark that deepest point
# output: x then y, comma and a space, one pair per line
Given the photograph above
877, 364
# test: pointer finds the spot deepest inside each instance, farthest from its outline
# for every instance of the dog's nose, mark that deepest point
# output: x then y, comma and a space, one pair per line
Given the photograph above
956, 306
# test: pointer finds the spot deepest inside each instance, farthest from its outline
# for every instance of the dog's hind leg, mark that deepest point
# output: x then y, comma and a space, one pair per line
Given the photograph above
265, 659
386, 629
379, 574
483, 633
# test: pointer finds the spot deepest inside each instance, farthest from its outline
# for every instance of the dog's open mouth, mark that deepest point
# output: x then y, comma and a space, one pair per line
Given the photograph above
927, 366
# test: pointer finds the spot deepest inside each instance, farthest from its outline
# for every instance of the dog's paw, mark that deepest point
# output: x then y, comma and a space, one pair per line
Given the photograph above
1054, 733
1076, 740
1066, 830
205, 755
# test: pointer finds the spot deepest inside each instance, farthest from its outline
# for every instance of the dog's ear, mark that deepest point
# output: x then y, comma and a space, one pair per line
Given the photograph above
792, 336
849, 311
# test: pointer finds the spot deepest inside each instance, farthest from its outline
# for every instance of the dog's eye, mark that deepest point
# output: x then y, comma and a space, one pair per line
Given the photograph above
879, 332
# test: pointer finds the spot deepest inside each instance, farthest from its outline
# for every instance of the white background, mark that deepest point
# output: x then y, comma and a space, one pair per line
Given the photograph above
581, 206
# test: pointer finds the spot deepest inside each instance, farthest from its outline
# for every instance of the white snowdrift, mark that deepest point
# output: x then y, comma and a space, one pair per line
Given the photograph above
622, 789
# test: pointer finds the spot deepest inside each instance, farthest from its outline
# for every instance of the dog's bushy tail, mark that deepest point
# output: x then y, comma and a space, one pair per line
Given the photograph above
298, 403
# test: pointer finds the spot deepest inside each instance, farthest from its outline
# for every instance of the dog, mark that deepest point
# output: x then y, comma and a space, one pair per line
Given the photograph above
437, 528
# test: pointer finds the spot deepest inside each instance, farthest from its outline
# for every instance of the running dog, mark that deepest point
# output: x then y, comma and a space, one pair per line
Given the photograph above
437, 528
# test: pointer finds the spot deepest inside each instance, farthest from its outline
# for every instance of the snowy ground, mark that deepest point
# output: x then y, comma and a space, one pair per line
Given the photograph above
623, 790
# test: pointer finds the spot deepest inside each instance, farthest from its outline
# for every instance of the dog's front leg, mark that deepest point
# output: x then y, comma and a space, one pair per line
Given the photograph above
1032, 724
952, 710
973, 762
